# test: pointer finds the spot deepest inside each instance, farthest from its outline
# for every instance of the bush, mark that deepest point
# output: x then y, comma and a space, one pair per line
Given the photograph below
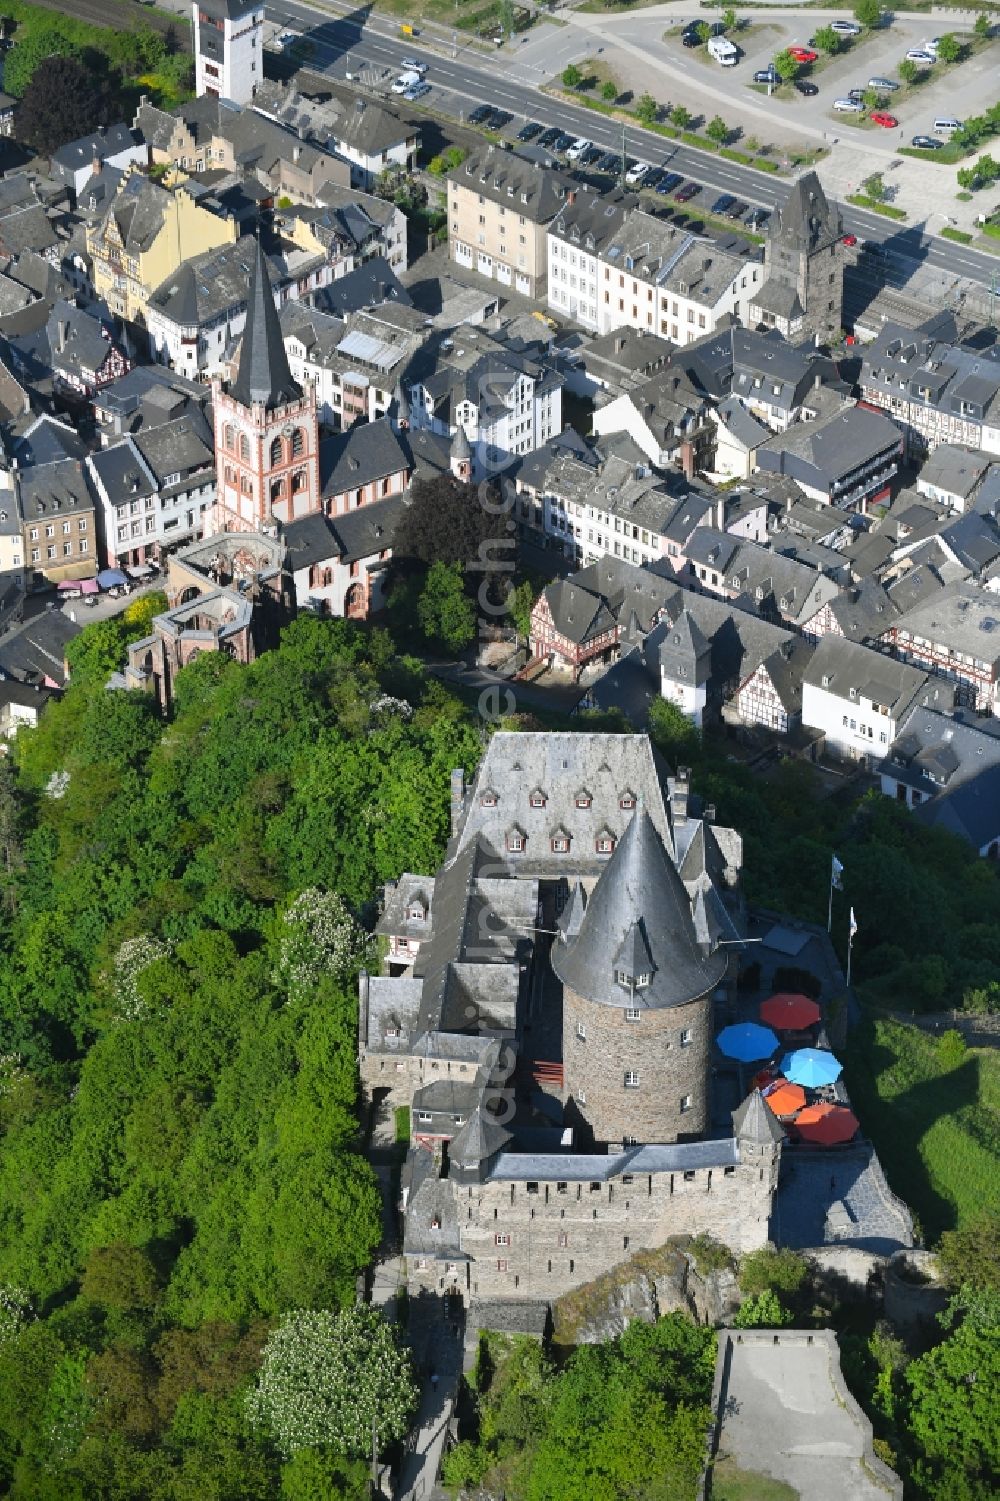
609, 91
710, 1255
763, 1311
951, 1048
572, 77
772, 1270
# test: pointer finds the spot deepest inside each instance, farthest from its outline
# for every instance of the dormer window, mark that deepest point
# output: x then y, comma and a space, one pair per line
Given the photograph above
416, 912
515, 841
560, 842
583, 799
537, 799
605, 843
488, 800
627, 800
632, 982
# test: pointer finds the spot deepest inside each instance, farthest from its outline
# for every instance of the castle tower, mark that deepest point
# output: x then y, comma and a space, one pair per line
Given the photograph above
266, 426
461, 455
637, 1000
803, 289
228, 47
759, 1135
685, 667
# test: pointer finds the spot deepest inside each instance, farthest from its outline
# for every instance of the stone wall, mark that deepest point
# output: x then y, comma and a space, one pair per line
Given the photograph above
668, 1050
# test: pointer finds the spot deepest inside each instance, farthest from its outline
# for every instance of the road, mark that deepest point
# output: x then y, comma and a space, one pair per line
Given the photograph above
469, 77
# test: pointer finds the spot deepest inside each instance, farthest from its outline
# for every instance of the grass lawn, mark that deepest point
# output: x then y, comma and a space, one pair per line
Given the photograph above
958, 235
730, 1483
403, 1125
936, 1128
874, 207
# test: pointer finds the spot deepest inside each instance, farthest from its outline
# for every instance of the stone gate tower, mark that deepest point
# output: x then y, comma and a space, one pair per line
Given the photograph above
803, 289
637, 999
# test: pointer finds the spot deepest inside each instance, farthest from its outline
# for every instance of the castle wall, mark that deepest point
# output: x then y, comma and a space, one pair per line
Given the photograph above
667, 1049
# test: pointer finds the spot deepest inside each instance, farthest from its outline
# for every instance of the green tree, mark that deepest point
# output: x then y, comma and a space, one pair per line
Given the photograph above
867, 12
609, 91
680, 116
873, 99
449, 522
717, 130
762, 1311
949, 48
772, 1270
330, 1379
62, 102
673, 733
120, 1277
828, 40
703, 32
646, 109
982, 27
728, 19
971, 1254
446, 614
39, 41
520, 602
967, 178
874, 188
572, 77
953, 1415
786, 66
908, 70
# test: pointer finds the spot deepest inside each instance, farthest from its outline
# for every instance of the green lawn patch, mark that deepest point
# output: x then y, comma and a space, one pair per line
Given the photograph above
886, 209
731, 1483
992, 229
958, 235
403, 1124
947, 156
936, 1128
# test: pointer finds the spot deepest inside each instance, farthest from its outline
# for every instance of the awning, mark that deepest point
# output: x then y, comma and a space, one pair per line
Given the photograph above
111, 578
139, 571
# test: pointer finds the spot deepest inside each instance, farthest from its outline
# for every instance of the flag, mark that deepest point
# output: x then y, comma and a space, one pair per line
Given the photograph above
853, 925
836, 871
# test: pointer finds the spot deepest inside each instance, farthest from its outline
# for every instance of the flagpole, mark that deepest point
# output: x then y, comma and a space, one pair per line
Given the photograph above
829, 910
851, 928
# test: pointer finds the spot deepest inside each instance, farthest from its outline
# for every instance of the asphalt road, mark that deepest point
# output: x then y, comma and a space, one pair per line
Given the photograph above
472, 78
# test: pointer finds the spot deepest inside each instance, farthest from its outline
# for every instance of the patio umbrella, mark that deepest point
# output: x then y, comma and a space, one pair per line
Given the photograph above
811, 1067
827, 1124
786, 1099
89, 586
747, 1041
789, 1013
110, 578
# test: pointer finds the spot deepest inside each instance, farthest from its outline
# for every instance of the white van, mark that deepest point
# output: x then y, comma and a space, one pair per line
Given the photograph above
405, 81
946, 125
578, 148
723, 50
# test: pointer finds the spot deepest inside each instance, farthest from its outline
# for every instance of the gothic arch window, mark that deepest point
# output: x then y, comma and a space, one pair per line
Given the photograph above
228, 437
229, 474
276, 452
298, 443
244, 448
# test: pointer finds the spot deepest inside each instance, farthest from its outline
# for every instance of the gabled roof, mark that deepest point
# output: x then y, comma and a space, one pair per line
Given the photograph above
638, 907
263, 374
369, 451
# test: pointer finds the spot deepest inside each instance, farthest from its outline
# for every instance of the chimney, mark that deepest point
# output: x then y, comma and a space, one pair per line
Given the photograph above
679, 796
457, 797
296, 153
709, 813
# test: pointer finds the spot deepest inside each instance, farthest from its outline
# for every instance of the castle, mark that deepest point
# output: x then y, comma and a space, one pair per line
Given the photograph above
548, 1016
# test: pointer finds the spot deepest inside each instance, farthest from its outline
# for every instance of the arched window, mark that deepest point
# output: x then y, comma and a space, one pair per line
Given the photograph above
276, 452
244, 448
298, 481
298, 443
228, 437
246, 484
277, 489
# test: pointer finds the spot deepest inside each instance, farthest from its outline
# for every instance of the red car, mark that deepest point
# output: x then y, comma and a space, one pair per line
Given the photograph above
850, 240
879, 117
803, 54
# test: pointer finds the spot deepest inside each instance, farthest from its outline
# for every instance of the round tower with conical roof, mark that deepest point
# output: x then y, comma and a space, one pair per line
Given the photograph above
461, 455
637, 1001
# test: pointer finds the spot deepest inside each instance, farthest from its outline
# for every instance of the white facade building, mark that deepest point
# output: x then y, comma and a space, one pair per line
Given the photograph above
228, 47
859, 697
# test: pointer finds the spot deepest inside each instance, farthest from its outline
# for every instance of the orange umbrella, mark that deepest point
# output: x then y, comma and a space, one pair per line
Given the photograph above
789, 1012
786, 1099
826, 1124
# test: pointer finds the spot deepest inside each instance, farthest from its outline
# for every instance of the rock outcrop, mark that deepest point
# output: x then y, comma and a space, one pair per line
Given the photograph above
647, 1286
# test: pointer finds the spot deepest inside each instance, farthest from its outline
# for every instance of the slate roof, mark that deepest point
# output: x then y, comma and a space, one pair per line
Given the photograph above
263, 374
582, 1167
369, 451
834, 448
778, 298
741, 424
107, 141
122, 473
36, 649
934, 751
367, 286
577, 614
184, 447
46, 440
955, 470
962, 617
57, 489
506, 178
205, 286
685, 654
971, 810
362, 533
933, 373
806, 218
848, 671
753, 1121
638, 917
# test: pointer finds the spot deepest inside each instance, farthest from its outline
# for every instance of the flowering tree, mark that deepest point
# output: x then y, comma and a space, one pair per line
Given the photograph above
135, 955
15, 1311
328, 1378
320, 937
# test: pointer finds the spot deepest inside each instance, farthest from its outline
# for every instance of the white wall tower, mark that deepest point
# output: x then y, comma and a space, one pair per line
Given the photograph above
228, 47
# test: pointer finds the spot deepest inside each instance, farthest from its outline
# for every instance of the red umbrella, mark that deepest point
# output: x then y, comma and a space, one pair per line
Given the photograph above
826, 1124
789, 1013
786, 1099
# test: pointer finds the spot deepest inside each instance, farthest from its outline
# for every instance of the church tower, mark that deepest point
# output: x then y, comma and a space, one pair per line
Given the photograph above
637, 999
266, 426
803, 289
228, 47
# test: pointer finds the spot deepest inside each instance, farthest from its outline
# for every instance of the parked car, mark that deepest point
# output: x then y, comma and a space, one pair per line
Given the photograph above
803, 86
848, 107
737, 210
946, 125
609, 162
690, 37
413, 65
921, 55
590, 157
652, 178
803, 54
858, 95
499, 118
886, 85
669, 183
481, 114
636, 173
578, 148
926, 143
687, 192
850, 241
723, 202
845, 28
767, 75
529, 131
404, 81
881, 117
932, 45
757, 217
416, 91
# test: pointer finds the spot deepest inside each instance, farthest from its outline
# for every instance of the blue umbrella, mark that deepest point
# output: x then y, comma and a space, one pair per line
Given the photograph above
110, 578
748, 1041
811, 1067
